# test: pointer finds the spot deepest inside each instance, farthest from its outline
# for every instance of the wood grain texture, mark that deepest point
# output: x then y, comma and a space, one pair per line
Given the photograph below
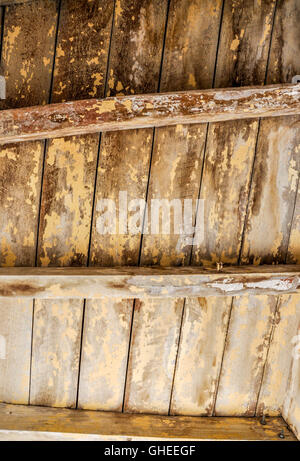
36, 423
242, 60
175, 172
244, 42
15, 340
135, 57
200, 352
27, 54
67, 198
294, 245
245, 354
154, 345
291, 407
273, 191
275, 181
191, 40
55, 352
282, 347
104, 354
224, 190
129, 112
27, 57
145, 282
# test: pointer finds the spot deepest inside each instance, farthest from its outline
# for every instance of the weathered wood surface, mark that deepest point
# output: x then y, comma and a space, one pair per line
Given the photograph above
15, 350
134, 67
55, 352
245, 354
242, 60
242, 57
283, 346
203, 333
140, 282
129, 112
27, 58
38, 423
83, 41
175, 172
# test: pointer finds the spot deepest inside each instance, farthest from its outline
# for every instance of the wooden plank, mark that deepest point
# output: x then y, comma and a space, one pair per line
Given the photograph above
242, 59
151, 365
67, 198
15, 341
275, 379
27, 57
245, 354
176, 164
294, 245
143, 111
274, 185
29, 422
135, 57
55, 352
291, 407
13, 2
143, 282
104, 354
199, 359
273, 191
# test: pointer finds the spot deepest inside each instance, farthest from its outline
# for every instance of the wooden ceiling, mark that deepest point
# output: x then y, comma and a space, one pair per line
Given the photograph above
204, 356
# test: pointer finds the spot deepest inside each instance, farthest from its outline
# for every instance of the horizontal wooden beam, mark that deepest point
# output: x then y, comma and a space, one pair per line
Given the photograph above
151, 110
141, 282
20, 422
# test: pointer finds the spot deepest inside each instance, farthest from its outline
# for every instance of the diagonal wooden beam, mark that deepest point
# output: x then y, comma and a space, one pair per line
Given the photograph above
18, 422
142, 282
152, 110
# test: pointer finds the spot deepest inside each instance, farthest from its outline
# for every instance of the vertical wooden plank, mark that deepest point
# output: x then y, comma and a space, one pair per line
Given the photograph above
15, 340
242, 60
277, 165
67, 198
104, 354
199, 359
294, 243
291, 408
154, 347
245, 353
282, 348
56, 347
27, 58
192, 36
274, 186
135, 58
27, 53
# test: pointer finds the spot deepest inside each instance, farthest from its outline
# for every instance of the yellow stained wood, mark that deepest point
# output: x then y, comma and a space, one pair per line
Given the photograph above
104, 354
135, 58
282, 348
205, 323
294, 243
291, 408
224, 190
67, 197
175, 174
273, 191
27, 57
67, 200
15, 340
154, 345
19, 422
55, 352
123, 169
245, 354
